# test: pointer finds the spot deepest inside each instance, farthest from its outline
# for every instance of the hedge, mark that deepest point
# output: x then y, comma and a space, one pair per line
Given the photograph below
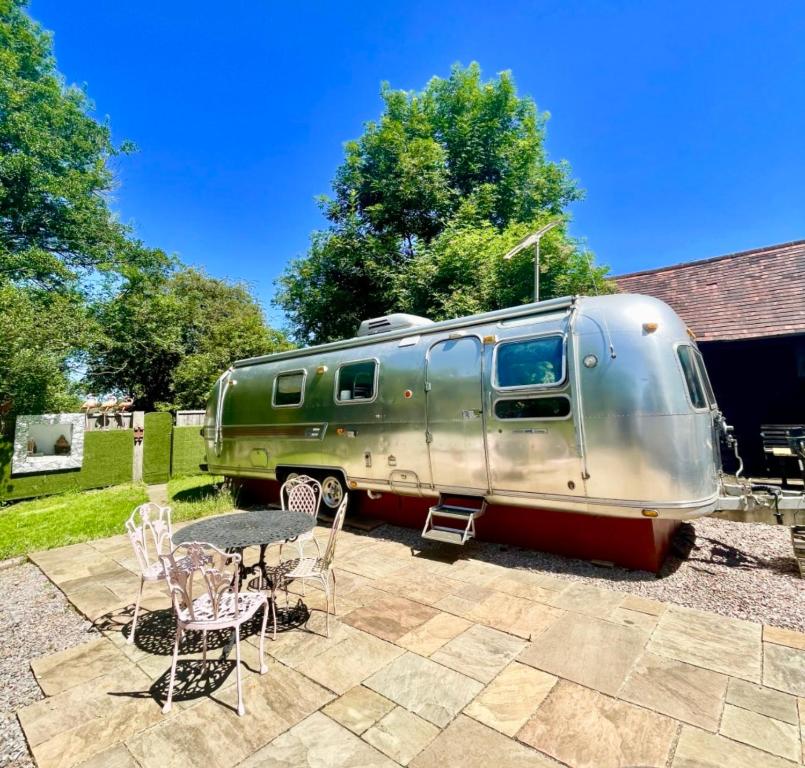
108, 458
157, 448
188, 451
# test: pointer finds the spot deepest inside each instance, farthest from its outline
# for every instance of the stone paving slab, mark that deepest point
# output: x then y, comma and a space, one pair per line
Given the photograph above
761, 731
784, 668
358, 709
699, 749
679, 690
401, 735
587, 650
433, 634
585, 729
76, 665
470, 744
390, 617
511, 698
432, 661
318, 742
424, 687
764, 701
480, 652
729, 646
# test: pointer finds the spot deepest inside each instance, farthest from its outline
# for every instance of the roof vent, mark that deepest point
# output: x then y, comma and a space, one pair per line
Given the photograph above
395, 322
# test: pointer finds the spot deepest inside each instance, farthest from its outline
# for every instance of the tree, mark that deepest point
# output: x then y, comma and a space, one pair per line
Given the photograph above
462, 159
40, 332
55, 180
57, 231
168, 337
462, 271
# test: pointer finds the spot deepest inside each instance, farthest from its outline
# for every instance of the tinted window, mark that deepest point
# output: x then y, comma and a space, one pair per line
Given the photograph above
288, 388
533, 362
695, 388
533, 408
356, 381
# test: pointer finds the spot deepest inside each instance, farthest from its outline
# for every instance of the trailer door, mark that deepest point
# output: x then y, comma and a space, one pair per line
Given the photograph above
455, 416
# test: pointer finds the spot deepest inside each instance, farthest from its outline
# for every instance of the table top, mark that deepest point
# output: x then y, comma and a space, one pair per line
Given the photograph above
246, 529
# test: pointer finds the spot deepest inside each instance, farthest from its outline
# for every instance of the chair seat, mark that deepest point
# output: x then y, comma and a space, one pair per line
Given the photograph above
302, 568
229, 613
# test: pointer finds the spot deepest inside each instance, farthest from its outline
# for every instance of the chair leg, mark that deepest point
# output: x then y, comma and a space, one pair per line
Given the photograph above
168, 702
136, 611
326, 587
263, 666
274, 614
241, 708
204, 649
334, 609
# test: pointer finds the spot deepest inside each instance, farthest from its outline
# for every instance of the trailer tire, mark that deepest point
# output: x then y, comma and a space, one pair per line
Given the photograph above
333, 489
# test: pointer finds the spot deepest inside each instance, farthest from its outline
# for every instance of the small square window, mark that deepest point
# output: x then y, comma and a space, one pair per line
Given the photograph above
289, 388
356, 382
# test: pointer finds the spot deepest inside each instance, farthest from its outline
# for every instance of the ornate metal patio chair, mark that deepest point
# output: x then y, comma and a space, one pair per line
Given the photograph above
319, 568
219, 606
150, 533
302, 493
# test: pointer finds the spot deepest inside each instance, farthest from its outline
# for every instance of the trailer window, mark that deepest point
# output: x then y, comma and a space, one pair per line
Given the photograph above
289, 389
356, 381
530, 363
692, 378
533, 408
708, 387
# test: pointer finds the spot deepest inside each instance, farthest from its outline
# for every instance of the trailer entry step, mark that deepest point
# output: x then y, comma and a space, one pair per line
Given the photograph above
463, 509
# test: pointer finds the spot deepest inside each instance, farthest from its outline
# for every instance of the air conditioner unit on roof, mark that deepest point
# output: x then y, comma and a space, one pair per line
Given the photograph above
388, 323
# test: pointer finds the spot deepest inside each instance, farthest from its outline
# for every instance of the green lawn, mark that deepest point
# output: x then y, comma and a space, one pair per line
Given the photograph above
69, 518
198, 496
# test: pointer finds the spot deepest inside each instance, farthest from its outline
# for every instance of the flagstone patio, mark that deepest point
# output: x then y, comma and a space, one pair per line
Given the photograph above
436, 659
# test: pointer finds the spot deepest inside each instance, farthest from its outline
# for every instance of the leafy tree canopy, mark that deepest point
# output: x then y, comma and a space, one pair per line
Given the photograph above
79, 294
39, 334
55, 180
458, 164
168, 338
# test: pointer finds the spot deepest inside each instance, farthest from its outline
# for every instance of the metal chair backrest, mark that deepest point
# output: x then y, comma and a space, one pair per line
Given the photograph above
301, 494
196, 563
150, 532
338, 522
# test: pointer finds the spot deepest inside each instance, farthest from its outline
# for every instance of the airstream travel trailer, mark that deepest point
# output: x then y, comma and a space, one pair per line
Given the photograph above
597, 405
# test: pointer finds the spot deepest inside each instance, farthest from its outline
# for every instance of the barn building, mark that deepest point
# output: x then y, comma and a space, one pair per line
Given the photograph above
747, 311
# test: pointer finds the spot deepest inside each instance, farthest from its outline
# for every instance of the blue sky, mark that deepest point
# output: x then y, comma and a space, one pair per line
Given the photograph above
684, 122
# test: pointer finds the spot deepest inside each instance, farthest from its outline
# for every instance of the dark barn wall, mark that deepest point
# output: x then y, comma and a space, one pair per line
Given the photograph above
758, 381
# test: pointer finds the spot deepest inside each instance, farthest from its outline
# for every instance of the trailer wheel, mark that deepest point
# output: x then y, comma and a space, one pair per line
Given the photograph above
332, 490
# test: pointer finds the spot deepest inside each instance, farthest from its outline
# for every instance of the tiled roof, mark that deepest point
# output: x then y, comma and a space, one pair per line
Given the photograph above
739, 296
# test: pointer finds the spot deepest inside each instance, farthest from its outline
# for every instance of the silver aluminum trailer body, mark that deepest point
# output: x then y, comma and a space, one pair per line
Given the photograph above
614, 427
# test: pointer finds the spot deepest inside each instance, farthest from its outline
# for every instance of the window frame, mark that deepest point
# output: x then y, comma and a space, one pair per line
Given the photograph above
681, 368
528, 387
375, 382
292, 371
561, 395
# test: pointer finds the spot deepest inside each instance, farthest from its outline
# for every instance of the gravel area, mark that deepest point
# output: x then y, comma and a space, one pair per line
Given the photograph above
35, 620
743, 570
